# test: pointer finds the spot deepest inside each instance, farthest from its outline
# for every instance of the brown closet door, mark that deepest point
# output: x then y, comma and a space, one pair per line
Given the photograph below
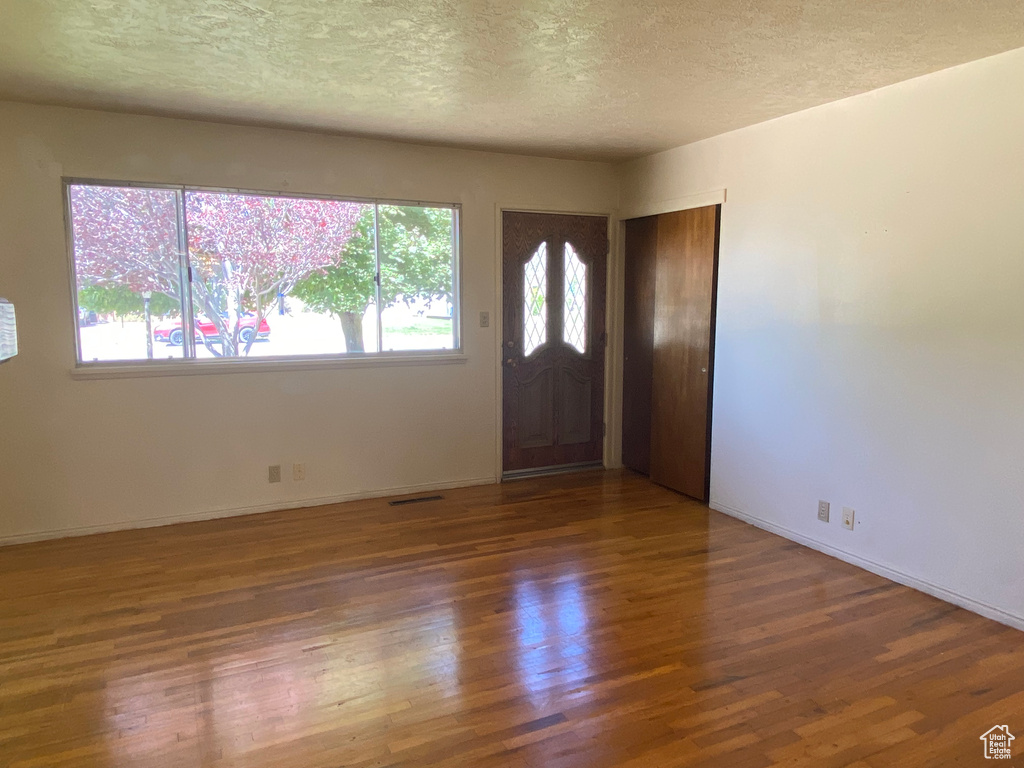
683, 350
638, 342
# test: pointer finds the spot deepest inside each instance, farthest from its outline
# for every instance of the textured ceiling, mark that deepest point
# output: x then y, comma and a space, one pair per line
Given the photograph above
599, 79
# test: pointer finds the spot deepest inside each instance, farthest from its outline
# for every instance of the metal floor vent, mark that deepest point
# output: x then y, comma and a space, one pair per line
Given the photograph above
417, 500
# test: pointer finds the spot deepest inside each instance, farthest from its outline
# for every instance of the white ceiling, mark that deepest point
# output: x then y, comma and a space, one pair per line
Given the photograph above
603, 79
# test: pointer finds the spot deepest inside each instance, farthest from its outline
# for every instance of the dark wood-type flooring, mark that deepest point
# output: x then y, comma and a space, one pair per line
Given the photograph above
585, 620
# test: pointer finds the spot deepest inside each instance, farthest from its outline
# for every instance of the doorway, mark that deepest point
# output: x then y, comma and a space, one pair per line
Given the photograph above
553, 341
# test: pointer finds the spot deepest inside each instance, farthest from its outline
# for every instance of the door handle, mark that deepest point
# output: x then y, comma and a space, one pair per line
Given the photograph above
511, 363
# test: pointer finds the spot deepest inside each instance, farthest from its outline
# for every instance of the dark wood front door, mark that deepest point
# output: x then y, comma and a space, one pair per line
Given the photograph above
553, 341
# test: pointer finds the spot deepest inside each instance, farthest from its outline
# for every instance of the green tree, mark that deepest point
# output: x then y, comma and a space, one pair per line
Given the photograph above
123, 302
415, 263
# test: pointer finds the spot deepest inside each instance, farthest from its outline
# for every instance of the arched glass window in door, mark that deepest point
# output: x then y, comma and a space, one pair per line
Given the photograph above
535, 300
574, 325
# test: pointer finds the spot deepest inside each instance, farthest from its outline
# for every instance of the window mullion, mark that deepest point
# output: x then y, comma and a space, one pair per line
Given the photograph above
456, 297
376, 277
187, 309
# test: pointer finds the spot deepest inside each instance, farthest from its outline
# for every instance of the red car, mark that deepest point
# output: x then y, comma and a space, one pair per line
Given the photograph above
171, 333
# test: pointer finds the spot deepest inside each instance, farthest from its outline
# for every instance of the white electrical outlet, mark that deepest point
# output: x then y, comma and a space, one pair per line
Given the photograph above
485, 319
298, 471
848, 518
274, 473
823, 511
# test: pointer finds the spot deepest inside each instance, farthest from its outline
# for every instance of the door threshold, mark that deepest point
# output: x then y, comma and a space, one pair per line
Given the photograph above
559, 469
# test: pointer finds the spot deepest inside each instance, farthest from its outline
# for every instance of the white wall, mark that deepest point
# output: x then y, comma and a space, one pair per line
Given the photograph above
77, 455
870, 346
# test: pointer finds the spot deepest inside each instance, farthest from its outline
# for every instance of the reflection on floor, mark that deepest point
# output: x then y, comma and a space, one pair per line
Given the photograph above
588, 620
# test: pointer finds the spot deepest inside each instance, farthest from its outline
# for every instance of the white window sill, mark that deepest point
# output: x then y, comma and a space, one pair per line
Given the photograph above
145, 369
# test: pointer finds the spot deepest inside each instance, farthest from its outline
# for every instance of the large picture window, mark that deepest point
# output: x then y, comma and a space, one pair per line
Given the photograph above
178, 273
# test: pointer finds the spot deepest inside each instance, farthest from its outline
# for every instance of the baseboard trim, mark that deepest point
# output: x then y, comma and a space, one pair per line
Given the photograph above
942, 593
255, 509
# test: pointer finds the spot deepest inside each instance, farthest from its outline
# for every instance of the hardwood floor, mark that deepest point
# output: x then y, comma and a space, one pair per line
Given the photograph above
587, 620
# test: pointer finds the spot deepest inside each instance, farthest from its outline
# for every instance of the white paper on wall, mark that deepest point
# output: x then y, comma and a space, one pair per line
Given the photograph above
8, 331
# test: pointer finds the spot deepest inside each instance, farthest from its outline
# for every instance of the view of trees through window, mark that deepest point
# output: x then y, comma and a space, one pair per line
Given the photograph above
264, 275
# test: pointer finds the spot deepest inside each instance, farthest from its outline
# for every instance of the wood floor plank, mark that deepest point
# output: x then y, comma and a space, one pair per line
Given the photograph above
591, 620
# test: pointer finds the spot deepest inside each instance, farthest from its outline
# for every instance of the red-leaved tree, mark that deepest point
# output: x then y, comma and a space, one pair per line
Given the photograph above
244, 250
247, 250
126, 236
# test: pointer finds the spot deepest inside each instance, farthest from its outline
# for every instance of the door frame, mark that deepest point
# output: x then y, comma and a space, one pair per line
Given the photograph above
612, 394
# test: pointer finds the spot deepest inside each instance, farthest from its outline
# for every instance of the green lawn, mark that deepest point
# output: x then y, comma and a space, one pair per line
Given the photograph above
421, 327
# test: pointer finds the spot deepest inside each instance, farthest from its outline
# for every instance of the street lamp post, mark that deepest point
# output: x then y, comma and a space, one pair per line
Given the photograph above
146, 296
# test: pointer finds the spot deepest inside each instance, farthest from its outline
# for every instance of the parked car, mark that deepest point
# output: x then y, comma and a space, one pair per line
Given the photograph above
171, 333
87, 317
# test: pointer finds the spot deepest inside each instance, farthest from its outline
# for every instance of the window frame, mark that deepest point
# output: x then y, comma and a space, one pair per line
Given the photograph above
193, 365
